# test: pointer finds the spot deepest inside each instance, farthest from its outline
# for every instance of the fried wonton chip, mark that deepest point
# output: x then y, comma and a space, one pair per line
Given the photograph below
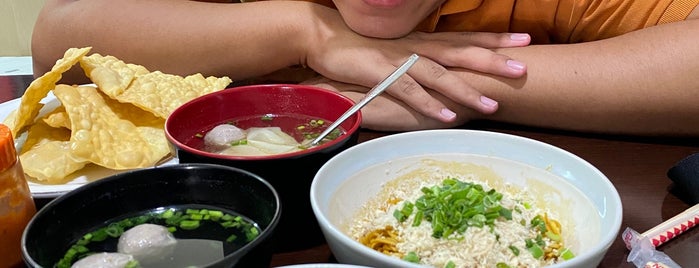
57, 118
40, 133
149, 125
156, 92
162, 93
118, 125
44, 156
110, 74
99, 136
40, 87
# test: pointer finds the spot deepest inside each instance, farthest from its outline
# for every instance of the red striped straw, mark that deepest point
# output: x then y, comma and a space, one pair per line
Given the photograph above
665, 231
673, 227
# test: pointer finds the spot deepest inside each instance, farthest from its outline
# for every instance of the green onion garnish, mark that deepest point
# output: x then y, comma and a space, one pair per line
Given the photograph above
454, 206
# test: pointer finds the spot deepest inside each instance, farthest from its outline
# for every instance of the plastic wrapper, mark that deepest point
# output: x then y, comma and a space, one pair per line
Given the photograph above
644, 255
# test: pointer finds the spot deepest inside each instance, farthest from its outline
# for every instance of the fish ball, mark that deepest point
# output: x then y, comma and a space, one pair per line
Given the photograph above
104, 260
147, 242
223, 135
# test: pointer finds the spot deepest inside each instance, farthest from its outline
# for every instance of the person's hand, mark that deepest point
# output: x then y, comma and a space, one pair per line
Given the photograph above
386, 113
344, 56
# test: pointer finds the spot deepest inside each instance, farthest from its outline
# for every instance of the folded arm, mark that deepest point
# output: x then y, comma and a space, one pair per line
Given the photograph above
178, 37
641, 83
254, 39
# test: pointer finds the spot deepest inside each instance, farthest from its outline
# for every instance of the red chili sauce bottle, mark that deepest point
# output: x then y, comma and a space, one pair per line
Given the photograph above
16, 203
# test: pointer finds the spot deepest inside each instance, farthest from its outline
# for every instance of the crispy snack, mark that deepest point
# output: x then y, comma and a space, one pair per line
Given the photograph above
119, 124
44, 154
29, 107
57, 118
156, 92
110, 74
99, 136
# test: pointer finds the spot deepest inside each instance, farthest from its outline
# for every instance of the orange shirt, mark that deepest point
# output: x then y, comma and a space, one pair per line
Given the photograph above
554, 21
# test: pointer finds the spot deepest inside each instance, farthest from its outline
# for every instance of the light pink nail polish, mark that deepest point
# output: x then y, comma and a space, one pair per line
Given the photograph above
516, 65
488, 101
519, 37
447, 114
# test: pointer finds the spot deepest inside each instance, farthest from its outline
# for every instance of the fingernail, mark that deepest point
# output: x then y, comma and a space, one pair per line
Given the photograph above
515, 65
519, 37
447, 114
488, 101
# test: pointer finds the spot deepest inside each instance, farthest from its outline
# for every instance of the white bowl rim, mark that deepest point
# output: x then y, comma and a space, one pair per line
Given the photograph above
606, 239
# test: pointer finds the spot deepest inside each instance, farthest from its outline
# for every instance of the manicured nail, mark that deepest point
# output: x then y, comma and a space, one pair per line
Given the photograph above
488, 101
447, 114
515, 65
519, 37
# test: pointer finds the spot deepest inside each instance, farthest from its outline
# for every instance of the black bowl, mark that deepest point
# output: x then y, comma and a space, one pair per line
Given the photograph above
60, 223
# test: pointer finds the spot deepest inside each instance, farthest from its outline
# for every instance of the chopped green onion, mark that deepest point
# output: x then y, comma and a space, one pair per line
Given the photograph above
132, 264
239, 142
418, 218
514, 250
453, 206
114, 230
215, 214
231, 238
501, 265
167, 214
536, 251
251, 233
189, 224
539, 224
553, 236
411, 257
450, 264
566, 254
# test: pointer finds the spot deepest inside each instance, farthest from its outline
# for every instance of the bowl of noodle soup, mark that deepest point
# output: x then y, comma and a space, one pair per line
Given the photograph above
464, 198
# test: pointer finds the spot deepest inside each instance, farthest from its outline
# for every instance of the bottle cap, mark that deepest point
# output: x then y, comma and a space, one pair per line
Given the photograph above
8, 154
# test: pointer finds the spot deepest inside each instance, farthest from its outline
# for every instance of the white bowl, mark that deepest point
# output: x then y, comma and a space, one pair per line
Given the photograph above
586, 200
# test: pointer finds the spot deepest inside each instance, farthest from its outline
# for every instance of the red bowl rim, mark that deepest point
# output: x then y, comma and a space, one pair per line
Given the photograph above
348, 133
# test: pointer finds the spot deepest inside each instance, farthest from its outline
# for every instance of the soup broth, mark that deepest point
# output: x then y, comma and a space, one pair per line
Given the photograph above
303, 129
193, 226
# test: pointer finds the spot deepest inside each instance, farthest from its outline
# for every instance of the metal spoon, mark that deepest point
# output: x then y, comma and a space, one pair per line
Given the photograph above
378, 89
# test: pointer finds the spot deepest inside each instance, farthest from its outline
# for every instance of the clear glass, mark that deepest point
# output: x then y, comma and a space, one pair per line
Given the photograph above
16, 209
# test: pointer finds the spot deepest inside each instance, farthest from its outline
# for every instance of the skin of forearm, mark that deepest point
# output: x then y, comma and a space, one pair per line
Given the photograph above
177, 37
644, 82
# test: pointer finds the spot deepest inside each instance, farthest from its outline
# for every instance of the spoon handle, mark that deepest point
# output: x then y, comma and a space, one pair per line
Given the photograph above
378, 89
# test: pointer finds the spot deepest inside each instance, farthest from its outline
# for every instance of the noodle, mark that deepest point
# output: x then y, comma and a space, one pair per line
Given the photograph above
519, 235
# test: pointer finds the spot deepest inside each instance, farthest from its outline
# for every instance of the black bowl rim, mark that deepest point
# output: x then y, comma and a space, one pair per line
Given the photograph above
264, 235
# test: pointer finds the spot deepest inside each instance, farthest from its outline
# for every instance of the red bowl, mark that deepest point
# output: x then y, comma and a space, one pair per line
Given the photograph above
290, 173
205, 112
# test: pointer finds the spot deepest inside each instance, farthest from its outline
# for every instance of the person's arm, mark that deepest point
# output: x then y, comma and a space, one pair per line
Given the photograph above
641, 83
644, 82
253, 39
178, 37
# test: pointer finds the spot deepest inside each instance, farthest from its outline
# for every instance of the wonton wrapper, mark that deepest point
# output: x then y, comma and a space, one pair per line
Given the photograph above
118, 125
57, 118
110, 74
44, 156
98, 134
29, 106
156, 92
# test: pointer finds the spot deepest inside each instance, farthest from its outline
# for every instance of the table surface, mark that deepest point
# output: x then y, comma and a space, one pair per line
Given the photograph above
637, 166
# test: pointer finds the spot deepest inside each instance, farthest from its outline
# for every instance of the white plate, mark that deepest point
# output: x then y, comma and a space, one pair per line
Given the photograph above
79, 178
